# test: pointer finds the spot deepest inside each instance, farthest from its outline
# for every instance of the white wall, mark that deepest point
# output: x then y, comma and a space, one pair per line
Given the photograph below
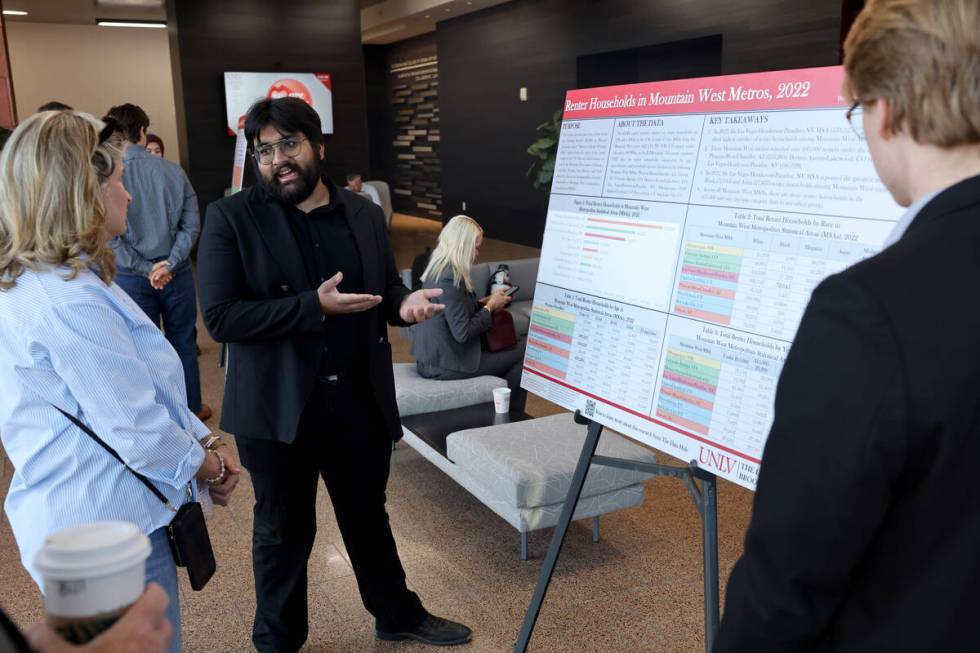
93, 68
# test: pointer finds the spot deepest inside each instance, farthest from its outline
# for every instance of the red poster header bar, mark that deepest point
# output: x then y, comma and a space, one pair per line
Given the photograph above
806, 88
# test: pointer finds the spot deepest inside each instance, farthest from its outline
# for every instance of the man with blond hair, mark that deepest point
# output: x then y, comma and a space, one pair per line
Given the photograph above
865, 534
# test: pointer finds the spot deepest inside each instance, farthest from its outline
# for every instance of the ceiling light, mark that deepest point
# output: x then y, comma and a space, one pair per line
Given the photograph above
153, 24
14, 12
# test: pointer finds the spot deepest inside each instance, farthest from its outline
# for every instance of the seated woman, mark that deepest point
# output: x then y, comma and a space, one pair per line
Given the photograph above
73, 345
447, 347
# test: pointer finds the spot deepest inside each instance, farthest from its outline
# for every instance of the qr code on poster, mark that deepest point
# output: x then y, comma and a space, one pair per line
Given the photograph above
589, 407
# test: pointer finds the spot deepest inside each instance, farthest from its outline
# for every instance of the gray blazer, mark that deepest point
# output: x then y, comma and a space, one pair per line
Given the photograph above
451, 340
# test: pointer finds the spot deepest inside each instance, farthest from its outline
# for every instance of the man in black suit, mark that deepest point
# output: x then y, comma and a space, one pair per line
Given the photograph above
298, 277
865, 534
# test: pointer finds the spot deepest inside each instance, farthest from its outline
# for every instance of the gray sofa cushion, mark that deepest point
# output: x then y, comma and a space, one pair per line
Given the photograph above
522, 316
416, 395
530, 464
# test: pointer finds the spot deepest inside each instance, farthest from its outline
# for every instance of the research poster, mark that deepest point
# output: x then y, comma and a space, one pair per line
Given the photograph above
688, 224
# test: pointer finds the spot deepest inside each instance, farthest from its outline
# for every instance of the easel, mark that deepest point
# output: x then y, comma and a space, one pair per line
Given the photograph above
705, 499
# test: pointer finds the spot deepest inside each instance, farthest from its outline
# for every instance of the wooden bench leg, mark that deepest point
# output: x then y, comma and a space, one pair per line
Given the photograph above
595, 528
524, 538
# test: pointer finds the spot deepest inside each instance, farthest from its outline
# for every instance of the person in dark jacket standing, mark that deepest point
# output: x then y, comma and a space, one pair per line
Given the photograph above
297, 275
866, 524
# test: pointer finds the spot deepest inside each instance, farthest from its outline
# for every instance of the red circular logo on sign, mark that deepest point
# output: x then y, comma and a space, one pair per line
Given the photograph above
290, 88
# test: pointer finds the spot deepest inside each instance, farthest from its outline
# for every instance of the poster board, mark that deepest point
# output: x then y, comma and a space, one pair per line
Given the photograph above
688, 224
243, 89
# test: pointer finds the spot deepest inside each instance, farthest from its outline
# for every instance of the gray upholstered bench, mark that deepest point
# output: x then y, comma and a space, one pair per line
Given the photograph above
522, 471
416, 394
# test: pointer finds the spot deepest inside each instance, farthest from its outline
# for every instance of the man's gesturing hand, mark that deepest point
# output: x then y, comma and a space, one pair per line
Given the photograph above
334, 302
417, 308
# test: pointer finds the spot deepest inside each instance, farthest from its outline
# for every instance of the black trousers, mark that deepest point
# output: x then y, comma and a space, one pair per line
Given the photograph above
340, 439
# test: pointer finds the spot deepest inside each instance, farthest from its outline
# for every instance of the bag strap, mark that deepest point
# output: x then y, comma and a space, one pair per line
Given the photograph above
112, 452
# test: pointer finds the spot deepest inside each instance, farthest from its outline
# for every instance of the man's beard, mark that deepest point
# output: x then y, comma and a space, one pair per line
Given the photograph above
296, 191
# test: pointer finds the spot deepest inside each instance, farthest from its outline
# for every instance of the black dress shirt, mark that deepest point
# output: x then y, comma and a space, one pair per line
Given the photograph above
328, 246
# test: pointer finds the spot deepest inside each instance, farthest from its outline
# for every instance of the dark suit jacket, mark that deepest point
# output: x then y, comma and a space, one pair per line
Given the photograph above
451, 339
256, 296
865, 534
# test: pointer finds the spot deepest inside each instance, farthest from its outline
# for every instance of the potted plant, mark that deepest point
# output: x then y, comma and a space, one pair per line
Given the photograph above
545, 151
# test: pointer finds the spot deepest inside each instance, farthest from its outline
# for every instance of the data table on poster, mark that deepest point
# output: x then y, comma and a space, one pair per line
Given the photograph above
570, 332
689, 223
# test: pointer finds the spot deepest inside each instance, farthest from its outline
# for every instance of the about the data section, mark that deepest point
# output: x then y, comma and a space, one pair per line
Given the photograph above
620, 249
653, 158
809, 161
755, 270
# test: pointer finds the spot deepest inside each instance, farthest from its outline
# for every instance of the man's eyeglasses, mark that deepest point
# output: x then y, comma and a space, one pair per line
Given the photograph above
289, 147
855, 120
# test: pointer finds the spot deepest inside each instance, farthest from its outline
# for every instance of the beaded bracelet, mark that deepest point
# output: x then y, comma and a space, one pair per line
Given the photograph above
221, 474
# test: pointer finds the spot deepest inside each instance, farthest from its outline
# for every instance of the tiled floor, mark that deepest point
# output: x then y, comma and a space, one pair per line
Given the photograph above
639, 589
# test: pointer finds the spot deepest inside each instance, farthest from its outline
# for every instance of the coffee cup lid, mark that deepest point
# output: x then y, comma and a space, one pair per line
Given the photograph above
94, 549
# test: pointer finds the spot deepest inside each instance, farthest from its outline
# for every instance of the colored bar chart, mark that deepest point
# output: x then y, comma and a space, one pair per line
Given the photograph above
623, 251
708, 281
687, 390
549, 340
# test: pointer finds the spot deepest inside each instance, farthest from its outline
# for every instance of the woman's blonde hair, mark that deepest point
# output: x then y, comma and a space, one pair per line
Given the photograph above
457, 242
923, 57
51, 209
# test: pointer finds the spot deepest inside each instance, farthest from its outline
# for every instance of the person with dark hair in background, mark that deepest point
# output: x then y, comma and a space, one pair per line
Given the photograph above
153, 256
54, 105
154, 145
866, 524
356, 184
297, 275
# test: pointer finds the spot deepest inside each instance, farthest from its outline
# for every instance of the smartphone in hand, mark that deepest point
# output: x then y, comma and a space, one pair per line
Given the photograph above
510, 291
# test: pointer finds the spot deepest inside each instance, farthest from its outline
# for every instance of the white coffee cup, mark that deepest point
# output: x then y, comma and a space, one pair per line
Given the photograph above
91, 574
501, 400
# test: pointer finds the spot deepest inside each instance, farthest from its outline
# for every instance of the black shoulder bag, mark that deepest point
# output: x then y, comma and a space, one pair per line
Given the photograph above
187, 532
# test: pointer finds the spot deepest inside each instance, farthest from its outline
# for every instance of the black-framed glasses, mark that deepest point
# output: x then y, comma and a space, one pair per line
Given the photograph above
289, 147
855, 119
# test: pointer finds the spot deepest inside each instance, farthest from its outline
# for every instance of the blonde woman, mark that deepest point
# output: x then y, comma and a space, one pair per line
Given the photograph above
447, 347
72, 340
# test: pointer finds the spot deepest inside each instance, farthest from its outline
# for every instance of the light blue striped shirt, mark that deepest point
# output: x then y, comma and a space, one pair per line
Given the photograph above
89, 349
163, 220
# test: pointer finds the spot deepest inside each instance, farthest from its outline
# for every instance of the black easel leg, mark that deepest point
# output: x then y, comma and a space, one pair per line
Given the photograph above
709, 544
578, 480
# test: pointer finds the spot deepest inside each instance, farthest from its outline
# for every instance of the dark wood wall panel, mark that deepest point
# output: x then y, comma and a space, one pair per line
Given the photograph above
258, 36
485, 57
403, 101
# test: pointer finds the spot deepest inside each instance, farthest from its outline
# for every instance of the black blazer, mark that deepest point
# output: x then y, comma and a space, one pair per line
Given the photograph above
451, 339
865, 534
256, 296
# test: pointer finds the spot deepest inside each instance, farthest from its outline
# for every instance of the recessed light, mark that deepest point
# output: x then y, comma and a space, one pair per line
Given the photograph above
428, 16
14, 12
101, 22
447, 10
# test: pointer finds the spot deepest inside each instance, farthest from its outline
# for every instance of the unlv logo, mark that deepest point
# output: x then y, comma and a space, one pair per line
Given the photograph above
717, 460
290, 88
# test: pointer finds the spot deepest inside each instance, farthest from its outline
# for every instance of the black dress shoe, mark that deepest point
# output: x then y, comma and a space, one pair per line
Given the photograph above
434, 631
